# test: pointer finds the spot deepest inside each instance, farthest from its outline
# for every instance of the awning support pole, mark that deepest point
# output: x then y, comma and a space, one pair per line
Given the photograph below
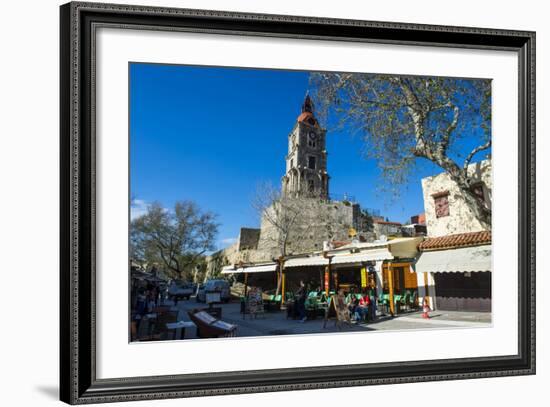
390, 287
283, 287
327, 279
427, 290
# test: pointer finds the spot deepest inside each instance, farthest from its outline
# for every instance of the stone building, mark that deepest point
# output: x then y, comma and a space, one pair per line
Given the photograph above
304, 190
306, 161
454, 266
240, 251
445, 208
387, 229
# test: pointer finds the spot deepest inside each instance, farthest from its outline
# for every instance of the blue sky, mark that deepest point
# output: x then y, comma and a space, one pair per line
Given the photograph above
211, 134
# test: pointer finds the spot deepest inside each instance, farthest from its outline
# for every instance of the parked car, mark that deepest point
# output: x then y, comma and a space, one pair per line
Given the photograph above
214, 285
179, 290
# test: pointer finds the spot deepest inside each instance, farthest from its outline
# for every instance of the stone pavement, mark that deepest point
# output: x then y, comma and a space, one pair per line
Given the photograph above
452, 318
276, 323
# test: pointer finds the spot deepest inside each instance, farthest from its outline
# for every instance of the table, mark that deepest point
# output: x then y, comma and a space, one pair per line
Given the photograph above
179, 325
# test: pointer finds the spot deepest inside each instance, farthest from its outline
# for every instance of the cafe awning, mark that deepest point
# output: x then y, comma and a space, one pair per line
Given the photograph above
457, 260
306, 261
228, 270
367, 255
259, 268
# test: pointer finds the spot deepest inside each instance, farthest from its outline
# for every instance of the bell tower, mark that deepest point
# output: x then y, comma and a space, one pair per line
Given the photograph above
306, 162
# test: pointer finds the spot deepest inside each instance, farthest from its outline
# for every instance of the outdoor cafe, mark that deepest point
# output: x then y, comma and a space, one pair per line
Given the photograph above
381, 269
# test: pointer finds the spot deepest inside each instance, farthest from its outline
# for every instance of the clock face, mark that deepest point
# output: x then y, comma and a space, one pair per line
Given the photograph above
312, 136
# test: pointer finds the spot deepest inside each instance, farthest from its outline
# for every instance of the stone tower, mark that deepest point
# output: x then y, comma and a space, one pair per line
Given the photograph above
306, 162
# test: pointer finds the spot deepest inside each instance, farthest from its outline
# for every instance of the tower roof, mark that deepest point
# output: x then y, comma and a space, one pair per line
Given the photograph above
307, 115
307, 106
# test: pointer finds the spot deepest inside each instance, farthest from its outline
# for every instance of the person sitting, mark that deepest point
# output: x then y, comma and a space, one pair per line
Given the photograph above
353, 305
362, 309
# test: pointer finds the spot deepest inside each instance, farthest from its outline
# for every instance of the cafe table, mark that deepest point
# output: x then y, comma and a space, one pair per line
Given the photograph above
174, 326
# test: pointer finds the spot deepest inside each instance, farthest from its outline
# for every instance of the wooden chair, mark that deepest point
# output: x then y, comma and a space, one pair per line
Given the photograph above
210, 327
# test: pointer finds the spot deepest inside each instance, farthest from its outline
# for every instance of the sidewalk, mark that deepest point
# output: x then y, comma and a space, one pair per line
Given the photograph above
276, 323
451, 318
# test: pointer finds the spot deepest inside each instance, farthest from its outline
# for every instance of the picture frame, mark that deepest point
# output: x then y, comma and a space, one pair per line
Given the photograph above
78, 347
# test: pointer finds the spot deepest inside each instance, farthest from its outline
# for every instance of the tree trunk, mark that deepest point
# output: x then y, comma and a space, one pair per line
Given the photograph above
476, 205
460, 176
437, 154
279, 278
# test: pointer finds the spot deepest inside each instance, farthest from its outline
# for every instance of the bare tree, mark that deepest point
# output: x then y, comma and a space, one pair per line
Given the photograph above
177, 238
406, 118
296, 224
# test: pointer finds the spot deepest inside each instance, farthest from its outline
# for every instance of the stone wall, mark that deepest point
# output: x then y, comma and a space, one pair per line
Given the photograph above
318, 221
248, 238
224, 257
388, 229
460, 218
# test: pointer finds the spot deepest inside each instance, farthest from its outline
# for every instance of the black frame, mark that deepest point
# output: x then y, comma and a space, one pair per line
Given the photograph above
78, 382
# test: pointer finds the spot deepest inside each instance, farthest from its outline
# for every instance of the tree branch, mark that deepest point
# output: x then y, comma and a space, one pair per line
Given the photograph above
474, 152
451, 128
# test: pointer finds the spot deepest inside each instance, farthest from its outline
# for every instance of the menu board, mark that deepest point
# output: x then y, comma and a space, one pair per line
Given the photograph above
254, 300
338, 308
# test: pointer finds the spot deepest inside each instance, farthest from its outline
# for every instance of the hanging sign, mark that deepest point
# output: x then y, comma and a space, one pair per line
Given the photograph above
363, 277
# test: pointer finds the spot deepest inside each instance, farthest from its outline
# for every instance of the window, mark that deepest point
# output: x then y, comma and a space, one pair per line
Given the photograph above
312, 139
441, 201
311, 162
477, 189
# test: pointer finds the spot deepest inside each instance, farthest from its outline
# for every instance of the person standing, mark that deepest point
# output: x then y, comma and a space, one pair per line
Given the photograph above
301, 296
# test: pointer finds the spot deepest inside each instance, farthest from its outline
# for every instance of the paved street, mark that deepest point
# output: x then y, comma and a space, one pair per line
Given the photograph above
276, 323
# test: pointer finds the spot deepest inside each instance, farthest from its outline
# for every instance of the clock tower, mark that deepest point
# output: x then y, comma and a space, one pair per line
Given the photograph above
306, 163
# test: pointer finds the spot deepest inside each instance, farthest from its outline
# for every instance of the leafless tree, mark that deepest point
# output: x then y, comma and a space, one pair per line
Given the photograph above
405, 118
176, 238
295, 224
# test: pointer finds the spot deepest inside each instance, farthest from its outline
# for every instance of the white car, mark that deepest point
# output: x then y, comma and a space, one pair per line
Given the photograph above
179, 290
221, 286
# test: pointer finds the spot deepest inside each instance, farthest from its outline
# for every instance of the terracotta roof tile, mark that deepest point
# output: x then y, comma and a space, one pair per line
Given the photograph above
337, 244
458, 240
308, 118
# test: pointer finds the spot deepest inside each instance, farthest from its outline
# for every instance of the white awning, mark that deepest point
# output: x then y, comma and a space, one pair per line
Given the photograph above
306, 261
228, 270
462, 259
260, 268
367, 255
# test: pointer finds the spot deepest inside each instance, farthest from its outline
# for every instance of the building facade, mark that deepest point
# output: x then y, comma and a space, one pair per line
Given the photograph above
445, 208
306, 162
454, 266
304, 190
